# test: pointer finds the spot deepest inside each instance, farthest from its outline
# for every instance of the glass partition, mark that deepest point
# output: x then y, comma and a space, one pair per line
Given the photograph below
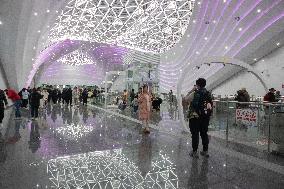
255, 124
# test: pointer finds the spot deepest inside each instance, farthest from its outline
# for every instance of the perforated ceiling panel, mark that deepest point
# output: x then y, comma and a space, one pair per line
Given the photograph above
146, 25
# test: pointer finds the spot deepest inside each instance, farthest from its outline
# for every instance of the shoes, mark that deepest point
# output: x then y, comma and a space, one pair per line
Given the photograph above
204, 154
194, 154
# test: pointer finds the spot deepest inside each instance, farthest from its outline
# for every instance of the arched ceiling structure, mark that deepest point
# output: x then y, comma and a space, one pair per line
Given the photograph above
35, 34
240, 29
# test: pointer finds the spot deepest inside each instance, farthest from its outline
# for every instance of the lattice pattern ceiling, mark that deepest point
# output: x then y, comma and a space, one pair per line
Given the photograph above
146, 25
76, 58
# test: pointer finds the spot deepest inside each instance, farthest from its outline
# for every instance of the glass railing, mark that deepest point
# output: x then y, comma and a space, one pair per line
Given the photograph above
256, 124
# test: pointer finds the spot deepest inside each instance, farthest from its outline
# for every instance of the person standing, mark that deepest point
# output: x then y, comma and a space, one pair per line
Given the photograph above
35, 103
25, 98
132, 96
95, 94
43, 101
144, 100
171, 97
3, 103
75, 94
85, 96
59, 95
201, 109
54, 96
69, 96
16, 99
270, 96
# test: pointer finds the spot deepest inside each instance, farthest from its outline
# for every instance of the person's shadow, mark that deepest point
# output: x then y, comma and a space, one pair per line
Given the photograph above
3, 150
34, 143
196, 178
145, 155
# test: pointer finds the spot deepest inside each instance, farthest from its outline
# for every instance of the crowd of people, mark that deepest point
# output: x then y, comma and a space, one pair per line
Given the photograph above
38, 98
143, 102
271, 96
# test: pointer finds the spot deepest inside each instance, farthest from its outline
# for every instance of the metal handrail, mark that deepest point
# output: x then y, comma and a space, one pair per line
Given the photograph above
252, 102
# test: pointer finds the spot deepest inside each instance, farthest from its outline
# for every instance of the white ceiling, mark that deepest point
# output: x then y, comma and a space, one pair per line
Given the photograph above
240, 29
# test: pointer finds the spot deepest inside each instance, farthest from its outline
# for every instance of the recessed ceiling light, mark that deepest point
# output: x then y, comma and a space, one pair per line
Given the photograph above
226, 47
240, 29
35, 13
38, 31
255, 59
258, 10
205, 38
277, 44
1, 22
47, 10
198, 2
224, 1
262, 60
214, 21
194, 21
197, 52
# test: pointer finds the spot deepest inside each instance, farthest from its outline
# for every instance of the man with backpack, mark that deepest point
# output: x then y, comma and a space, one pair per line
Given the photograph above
199, 115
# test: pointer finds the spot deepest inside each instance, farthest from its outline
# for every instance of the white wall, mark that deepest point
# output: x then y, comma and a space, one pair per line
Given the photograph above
2, 82
273, 72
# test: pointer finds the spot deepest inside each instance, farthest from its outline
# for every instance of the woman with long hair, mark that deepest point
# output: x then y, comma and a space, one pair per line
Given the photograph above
144, 100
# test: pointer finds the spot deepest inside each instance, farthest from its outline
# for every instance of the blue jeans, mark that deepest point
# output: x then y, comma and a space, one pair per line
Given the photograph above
17, 105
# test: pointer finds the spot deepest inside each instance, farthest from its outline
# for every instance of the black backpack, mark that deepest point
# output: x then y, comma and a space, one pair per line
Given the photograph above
201, 98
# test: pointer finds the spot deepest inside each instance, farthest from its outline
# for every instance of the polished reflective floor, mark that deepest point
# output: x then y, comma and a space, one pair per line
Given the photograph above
84, 147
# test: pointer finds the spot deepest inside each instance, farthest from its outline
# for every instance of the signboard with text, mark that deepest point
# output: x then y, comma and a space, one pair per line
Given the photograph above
247, 117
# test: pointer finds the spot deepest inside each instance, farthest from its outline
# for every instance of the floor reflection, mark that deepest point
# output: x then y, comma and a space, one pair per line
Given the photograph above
112, 169
82, 147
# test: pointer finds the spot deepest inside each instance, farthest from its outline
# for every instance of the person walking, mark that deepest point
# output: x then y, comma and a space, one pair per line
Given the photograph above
16, 99
144, 100
199, 115
3, 104
35, 103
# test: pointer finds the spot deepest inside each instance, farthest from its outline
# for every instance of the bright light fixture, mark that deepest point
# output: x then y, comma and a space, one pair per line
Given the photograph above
240, 29
258, 10
150, 26
1, 22
76, 58
277, 44
35, 13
